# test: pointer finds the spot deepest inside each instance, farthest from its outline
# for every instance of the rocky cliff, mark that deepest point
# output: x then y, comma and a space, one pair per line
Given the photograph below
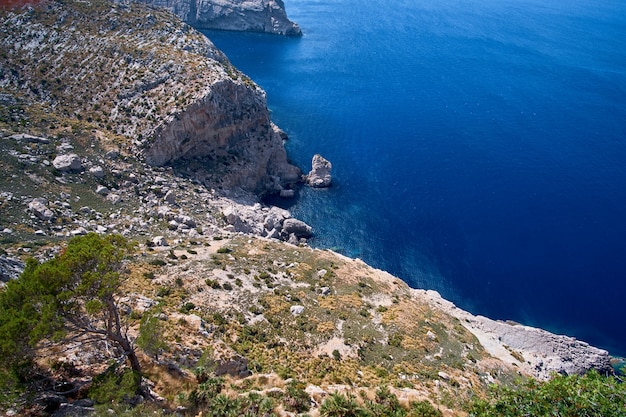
242, 15
140, 78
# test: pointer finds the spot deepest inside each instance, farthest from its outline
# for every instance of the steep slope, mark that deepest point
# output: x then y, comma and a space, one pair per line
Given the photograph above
136, 76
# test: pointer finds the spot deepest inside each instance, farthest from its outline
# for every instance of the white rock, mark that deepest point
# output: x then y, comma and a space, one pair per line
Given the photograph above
97, 172
287, 193
102, 190
39, 207
320, 177
170, 197
296, 310
297, 227
68, 162
114, 198
443, 375
160, 241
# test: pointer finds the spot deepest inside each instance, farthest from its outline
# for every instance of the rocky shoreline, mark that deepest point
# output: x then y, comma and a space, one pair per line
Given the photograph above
267, 16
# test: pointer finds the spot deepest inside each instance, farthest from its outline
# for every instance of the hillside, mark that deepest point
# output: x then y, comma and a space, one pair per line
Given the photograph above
123, 119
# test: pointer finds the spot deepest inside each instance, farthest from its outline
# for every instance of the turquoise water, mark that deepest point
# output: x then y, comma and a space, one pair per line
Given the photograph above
479, 147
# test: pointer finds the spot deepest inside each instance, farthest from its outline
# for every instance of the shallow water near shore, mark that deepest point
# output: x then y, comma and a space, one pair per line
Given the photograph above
479, 148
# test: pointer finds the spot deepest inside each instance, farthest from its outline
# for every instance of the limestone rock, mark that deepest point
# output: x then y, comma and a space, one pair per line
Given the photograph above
67, 162
97, 172
544, 353
170, 197
39, 207
297, 227
319, 177
102, 190
287, 193
296, 310
231, 118
242, 15
160, 241
236, 367
10, 268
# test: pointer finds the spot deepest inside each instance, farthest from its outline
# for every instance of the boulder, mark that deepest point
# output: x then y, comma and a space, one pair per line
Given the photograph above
319, 177
68, 162
160, 241
287, 193
297, 227
97, 172
10, 268
39, 207
296, 310
170, 197
102, 190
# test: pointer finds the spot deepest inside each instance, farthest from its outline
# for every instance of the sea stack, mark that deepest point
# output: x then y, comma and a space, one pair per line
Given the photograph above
319, 177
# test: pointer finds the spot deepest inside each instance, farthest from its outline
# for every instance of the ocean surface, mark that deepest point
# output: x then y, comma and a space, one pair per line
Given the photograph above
478, 147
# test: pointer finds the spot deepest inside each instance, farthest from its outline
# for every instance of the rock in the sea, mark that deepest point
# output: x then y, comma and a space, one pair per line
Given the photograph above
287, 193
297, 227
320, 177
68, 162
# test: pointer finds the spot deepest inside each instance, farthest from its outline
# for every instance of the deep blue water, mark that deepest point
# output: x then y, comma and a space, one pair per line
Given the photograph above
479, 147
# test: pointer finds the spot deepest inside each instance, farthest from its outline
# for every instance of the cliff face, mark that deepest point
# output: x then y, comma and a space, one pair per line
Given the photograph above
139, 77
229, 127
242, 15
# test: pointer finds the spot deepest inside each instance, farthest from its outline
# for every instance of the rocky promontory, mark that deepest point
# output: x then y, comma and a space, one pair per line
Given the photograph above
145, 83
267, 16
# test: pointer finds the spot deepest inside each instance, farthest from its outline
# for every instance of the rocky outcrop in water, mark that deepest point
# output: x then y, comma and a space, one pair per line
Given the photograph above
267, 16
319, 176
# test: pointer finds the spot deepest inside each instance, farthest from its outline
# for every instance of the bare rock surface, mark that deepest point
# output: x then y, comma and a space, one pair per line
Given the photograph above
69, 162
543, 353
267, 16
319, 176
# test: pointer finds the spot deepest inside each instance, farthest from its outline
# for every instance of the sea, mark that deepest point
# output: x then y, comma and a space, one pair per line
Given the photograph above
478, 147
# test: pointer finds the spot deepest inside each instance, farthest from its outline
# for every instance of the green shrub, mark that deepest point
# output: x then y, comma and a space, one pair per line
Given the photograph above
296, 399
423, 409
187, 307
338, 405
591, 395
114, 386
